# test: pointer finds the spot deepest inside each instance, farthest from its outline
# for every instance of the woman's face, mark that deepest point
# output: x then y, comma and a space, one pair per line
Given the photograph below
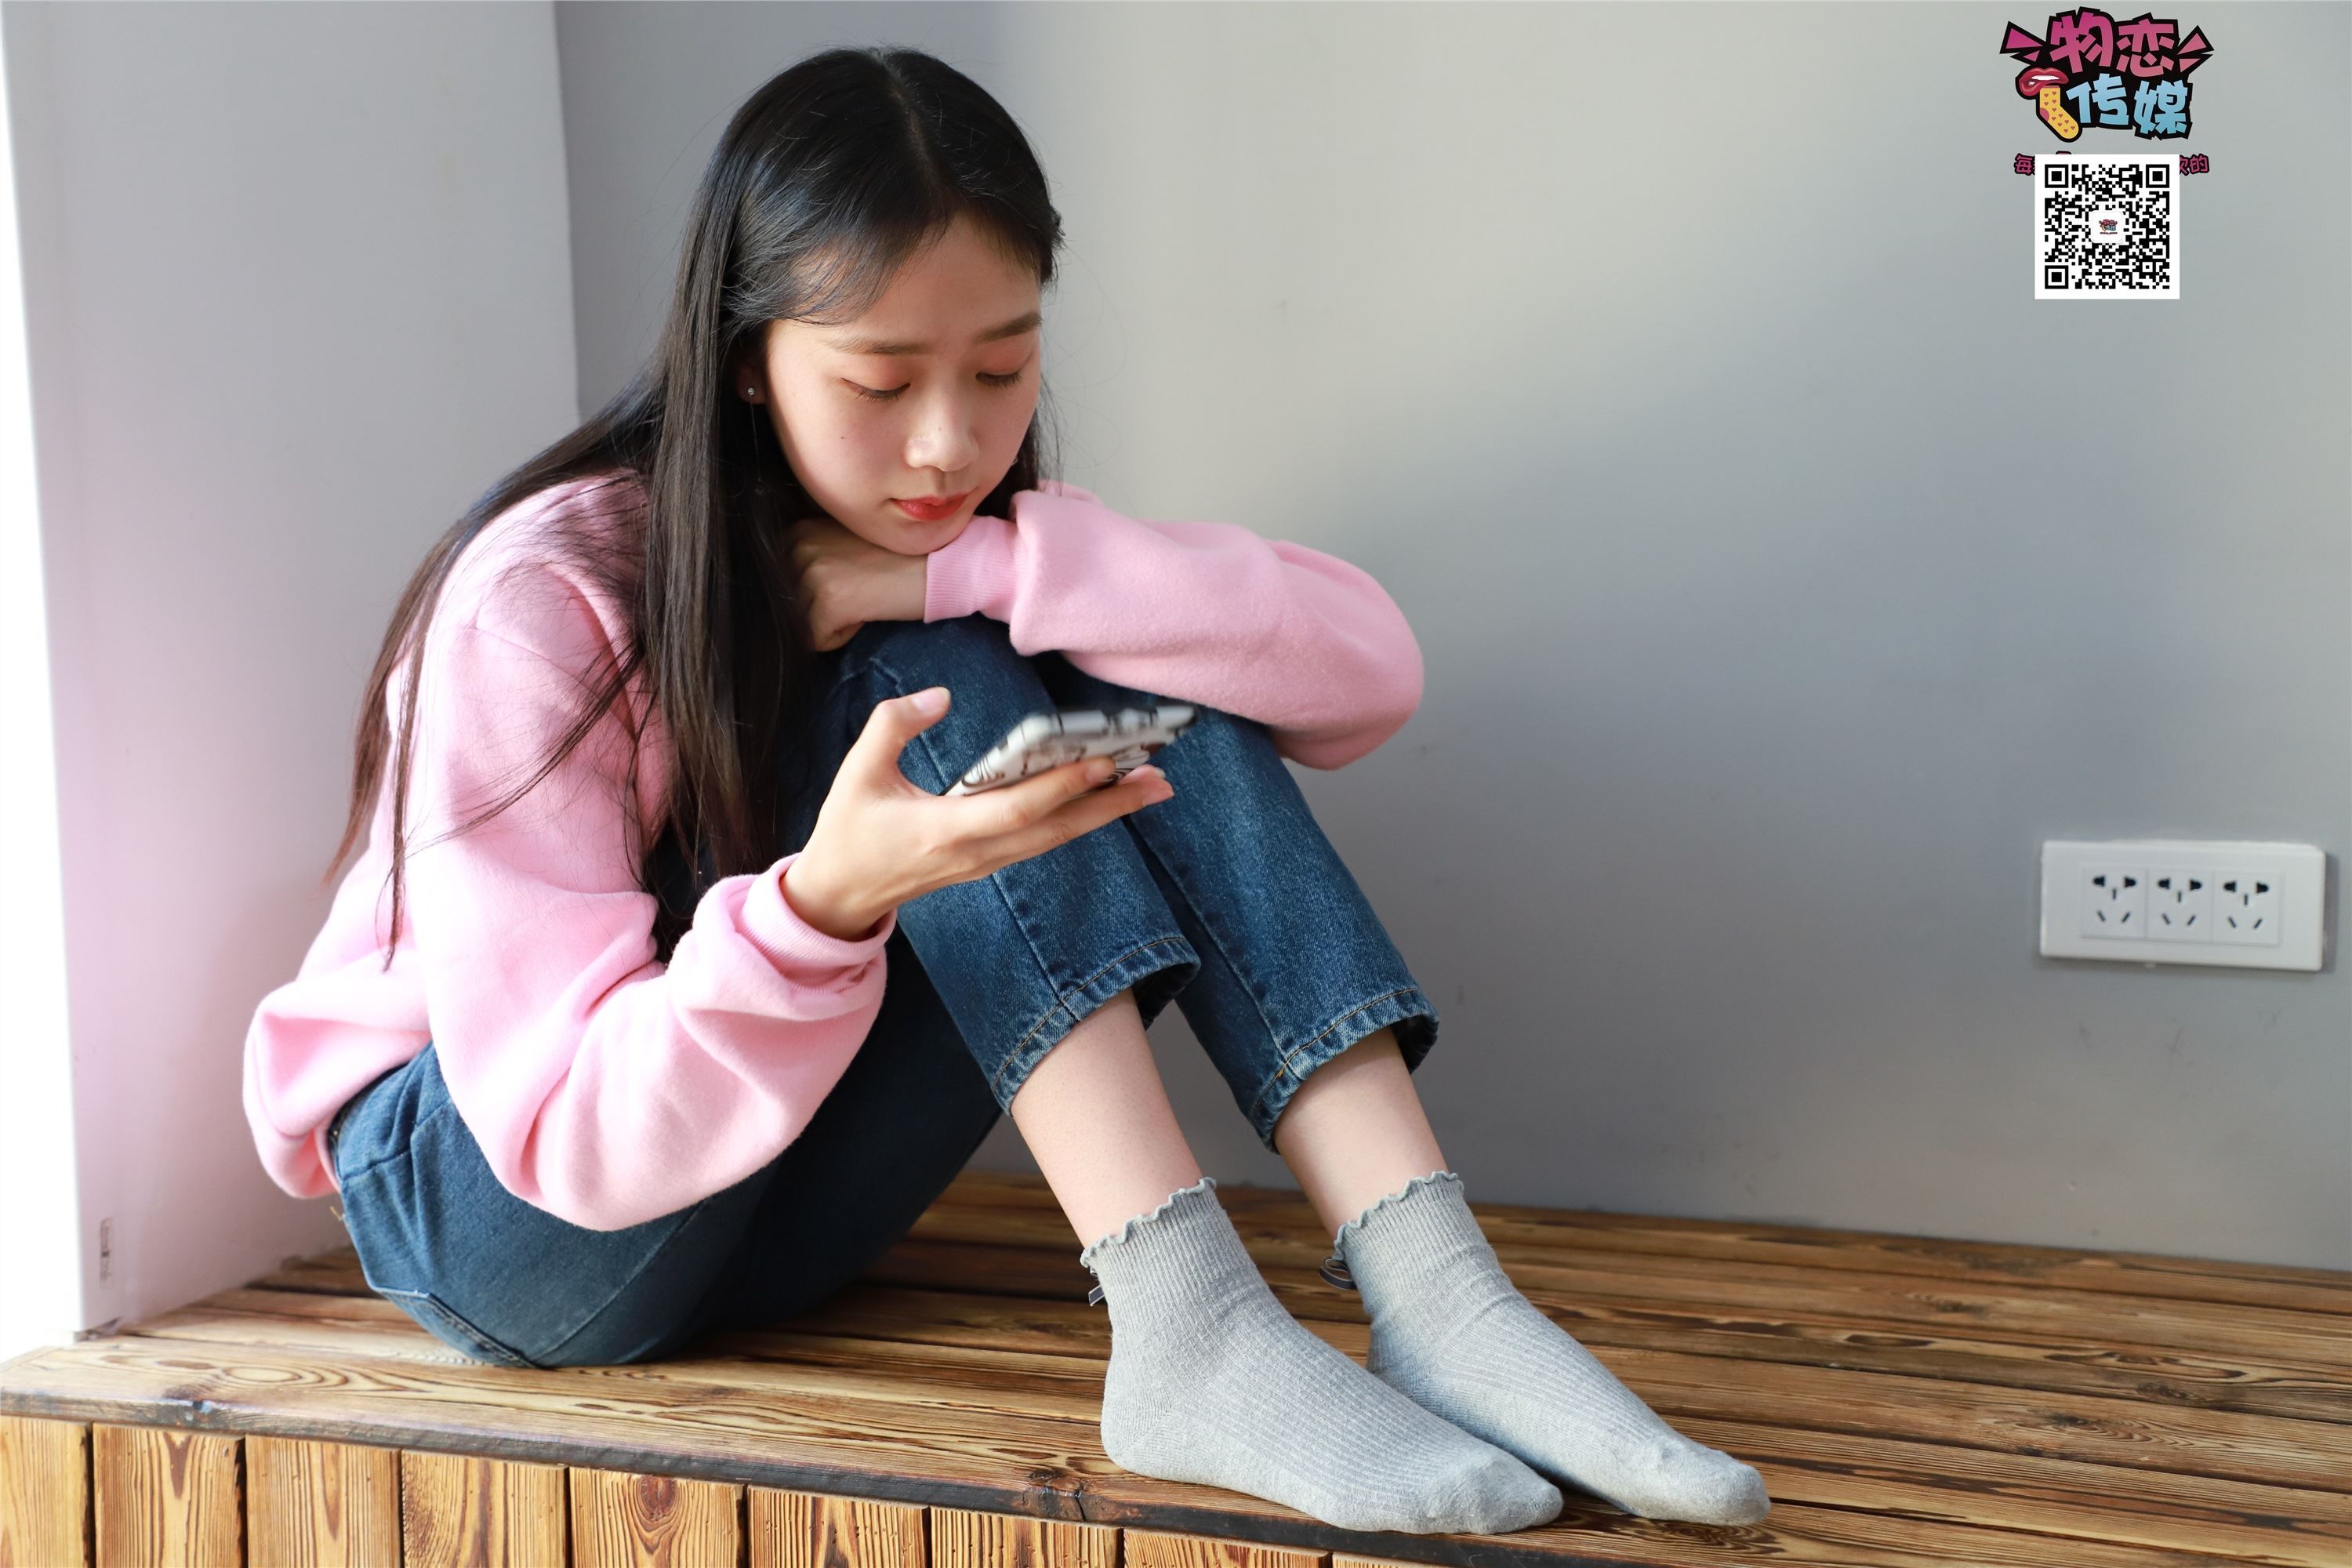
928, 394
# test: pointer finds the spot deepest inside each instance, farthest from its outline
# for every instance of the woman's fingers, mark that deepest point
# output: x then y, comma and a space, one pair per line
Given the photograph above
1015, 806
1075, 816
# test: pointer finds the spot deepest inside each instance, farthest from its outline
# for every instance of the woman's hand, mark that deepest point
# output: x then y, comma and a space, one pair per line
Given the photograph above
846, 582
880, 840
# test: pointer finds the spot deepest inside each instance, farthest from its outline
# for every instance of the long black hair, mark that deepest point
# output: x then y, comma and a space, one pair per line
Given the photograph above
826, 179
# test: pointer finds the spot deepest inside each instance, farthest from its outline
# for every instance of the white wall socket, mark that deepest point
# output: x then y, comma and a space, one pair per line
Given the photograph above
2237, 903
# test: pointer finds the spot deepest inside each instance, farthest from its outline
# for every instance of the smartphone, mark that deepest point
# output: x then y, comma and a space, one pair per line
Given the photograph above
1047, 740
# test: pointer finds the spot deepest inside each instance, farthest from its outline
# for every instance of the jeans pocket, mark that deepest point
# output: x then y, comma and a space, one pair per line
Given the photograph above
441, 1320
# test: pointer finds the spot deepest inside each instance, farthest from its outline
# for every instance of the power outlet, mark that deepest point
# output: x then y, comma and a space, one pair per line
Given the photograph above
2114, 900
2179, 905
2233, 903
2247, 906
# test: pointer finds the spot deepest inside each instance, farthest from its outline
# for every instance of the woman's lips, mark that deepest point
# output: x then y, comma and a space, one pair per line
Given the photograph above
2033, 78
932, 511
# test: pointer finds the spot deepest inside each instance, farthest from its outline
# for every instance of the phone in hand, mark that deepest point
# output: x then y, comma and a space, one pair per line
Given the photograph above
1047, 740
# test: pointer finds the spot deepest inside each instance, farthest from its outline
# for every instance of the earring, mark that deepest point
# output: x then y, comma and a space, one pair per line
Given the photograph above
751, 394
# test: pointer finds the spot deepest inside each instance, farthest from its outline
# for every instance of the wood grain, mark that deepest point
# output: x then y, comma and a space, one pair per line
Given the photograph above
165, 1500
801, 1530
1959, 1351
460, 1511
1020, 1210
960, 1538
322, 1505
1154, 1549
624, 1521
1912, 1401
44, 1518
1854, 1298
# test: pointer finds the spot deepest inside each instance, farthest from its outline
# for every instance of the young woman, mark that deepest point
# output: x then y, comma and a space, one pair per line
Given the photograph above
597, 1047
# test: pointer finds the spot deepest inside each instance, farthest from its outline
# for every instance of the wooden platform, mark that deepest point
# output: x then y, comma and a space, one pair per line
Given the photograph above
1910, 1403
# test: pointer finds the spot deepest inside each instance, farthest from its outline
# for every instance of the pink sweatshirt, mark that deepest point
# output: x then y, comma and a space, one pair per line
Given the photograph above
607, 1088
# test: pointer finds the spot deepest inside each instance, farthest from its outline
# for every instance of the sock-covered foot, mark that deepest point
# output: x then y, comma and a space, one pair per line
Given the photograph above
1451, 1330
1212, 1381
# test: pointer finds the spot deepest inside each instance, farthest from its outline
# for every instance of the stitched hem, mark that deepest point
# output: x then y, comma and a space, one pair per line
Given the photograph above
1339, 1242
1119, 974
1392, 1007
1101, 1244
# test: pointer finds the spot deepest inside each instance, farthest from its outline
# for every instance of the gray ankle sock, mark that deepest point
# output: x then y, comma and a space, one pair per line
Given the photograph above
1210, 1381
1451, 1330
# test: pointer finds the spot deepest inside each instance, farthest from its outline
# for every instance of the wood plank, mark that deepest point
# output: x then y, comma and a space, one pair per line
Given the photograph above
2231, 1516
2297, 1349
1942, 1345
45, 1519
597, 1416
906, 1316
166, 1499
801, 1530
457, 1510
2229, 1520
362, 1325
322, 1505
981, 1383
1910, 1401
912, 1323
2316, 1341
621, 1520
1156, 1549
2132, 1433
1794, 1533
335, 1272
2135, 1433
1079, 1478
1020, 1210
963, 1538
1057, 1468
1023, 1210
1821, 1535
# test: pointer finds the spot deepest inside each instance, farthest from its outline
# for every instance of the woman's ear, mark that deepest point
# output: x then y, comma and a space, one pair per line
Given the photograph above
745, 383
746, 375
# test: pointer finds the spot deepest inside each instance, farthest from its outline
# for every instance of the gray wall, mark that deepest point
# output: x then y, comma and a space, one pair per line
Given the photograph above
1786, 573
297, 289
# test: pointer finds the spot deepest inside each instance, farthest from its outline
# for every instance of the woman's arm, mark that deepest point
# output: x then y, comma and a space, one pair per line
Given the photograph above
603, 1087
1206, 612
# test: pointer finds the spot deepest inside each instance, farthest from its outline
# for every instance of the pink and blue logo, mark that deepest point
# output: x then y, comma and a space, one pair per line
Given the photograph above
2095, 71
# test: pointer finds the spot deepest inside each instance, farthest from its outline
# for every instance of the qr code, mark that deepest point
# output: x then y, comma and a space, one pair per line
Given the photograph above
2106, 225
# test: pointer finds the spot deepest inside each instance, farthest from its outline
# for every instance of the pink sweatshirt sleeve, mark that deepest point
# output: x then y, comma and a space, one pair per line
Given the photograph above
1201, 612
603, 1086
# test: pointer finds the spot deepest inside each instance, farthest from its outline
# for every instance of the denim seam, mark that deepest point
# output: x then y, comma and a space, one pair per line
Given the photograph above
430, 1117
577, 1330
898, 683
1061, 1002
495, 1351
1276, 1077
1062, 999
675, 1231
1201, 913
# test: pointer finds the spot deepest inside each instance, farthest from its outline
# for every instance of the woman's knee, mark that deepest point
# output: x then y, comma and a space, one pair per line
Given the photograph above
990, 688
917, 654
1225, 752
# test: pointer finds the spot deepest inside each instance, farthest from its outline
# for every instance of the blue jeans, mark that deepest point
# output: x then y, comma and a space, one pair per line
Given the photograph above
1228, 899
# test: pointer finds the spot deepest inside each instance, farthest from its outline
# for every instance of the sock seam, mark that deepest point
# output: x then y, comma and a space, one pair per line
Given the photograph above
1119, 1237
1339, 1241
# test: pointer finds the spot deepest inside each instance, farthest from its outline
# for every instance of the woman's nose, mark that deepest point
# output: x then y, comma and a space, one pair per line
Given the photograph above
945, 438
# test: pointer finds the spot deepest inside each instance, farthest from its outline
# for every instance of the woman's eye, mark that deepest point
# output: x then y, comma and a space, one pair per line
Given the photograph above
986, 379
